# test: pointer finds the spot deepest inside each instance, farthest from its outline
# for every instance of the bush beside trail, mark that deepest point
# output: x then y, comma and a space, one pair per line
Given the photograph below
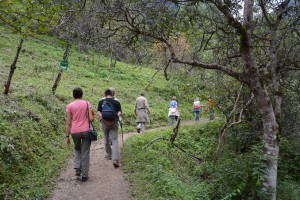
162, 171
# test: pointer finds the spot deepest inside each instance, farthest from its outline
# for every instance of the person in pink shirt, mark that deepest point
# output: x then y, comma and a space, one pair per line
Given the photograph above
77, 125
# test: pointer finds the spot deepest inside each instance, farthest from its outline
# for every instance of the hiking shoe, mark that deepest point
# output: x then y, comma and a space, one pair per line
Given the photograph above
77, 172
116, 163
138, 130
108, 157
82, 179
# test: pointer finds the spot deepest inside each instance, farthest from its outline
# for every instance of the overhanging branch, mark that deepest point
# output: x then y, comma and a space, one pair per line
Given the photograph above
219, 67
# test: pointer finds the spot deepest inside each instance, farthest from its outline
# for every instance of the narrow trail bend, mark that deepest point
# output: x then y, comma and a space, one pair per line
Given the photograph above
105, 182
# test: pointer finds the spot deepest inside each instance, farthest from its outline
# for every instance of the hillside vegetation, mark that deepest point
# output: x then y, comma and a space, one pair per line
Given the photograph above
32, 119
32, 129
160, 170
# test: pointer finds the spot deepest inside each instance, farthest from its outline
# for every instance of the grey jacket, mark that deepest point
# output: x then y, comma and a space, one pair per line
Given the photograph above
141, 109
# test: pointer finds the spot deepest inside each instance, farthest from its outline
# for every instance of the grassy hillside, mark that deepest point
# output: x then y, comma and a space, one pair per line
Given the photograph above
163, 171
32, 119
39, 64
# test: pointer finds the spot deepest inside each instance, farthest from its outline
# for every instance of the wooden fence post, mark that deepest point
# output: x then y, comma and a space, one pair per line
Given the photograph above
12, 68
58, 78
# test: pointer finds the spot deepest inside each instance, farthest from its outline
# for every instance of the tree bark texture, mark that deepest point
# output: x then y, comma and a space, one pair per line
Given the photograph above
12, 68
58, 78
270, 136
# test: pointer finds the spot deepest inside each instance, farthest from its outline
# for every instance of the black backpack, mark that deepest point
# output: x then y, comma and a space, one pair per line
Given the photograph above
108, 111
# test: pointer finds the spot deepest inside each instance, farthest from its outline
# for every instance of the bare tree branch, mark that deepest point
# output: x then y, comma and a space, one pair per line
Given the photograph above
231, 121
152, 79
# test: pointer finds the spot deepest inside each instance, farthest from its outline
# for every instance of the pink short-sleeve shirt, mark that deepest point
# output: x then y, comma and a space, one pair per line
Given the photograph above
78, 110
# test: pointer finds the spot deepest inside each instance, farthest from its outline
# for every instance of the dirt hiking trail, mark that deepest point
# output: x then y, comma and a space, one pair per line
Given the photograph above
105, 182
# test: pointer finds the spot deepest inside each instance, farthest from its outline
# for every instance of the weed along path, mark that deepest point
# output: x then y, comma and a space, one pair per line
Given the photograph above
105, 182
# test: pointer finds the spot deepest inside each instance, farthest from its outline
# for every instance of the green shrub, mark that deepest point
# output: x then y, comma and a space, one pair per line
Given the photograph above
162, 171
288, 189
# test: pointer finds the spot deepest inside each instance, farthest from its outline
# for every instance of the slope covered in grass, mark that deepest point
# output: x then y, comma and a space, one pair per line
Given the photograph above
32, 119
159, 170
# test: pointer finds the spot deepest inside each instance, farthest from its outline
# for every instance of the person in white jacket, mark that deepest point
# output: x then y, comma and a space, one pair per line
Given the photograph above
173, 111
196, 107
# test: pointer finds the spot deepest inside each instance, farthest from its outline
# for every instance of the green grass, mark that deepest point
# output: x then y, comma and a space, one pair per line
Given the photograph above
32, 119
32, 130
162, 171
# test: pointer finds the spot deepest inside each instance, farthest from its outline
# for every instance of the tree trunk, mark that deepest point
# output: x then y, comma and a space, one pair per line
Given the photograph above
270, 137
58, 78
263, 101
12, 68
271, 149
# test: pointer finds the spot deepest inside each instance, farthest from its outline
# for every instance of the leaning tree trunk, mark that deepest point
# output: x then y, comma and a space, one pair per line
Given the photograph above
12, 68
58, 78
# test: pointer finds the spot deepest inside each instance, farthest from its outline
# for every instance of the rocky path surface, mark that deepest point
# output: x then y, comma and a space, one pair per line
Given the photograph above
105, 181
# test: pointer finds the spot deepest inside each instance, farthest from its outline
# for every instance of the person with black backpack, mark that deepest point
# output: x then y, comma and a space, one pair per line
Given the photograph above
109, 112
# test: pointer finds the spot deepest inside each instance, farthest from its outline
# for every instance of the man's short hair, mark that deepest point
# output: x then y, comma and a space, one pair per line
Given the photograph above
77, 93
142, 93
108, 92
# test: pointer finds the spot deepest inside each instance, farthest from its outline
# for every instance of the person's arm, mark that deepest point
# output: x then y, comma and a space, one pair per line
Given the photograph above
99, 115
119, 111
147, 106
135, 108
99, 110
91, 114
120, 114
68, 127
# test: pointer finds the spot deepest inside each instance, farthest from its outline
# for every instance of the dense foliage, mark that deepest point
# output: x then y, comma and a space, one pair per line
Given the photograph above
162, 171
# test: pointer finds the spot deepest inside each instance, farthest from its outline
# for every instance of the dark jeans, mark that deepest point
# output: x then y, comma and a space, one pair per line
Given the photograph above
197, 115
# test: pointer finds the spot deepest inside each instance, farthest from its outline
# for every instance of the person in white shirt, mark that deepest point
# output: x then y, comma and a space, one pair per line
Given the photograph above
196, 107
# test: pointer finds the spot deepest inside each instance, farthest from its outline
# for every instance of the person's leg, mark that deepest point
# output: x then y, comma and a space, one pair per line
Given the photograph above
171, 120
77, 154
85, 153
142, 127
107, 140
197, 115
115, 141
139, 127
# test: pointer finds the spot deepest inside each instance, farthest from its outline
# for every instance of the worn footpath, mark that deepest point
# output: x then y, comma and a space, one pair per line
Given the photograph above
105, 182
